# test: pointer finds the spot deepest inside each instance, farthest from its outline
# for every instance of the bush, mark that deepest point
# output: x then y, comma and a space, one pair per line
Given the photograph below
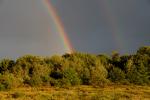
34, 81
134, 76
6, 65
138, 69
8, 81
32, 69
76, 68
116, 75
71, 75
59, 82
98, 76
85, 76
67, 77
56, 74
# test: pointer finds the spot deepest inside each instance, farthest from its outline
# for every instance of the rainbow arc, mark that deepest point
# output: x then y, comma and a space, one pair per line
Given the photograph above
59, 26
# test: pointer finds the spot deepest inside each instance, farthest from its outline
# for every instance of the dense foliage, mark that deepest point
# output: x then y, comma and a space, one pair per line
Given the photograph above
76, 69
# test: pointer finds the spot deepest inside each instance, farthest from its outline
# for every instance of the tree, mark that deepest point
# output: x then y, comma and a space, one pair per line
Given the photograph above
144, 50
32, 69
6, 65
116, 75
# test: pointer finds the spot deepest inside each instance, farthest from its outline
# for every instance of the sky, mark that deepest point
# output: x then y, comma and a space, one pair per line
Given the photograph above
92, 26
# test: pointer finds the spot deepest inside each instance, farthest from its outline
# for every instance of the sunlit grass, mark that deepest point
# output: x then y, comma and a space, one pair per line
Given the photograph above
114, 92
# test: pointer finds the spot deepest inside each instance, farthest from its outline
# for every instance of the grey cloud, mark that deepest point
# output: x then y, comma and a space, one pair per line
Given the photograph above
24, 26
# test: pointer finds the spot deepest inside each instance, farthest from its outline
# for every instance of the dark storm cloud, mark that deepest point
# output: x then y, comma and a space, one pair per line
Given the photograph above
148, 1
89, 24
84, 23
24, 29
87, 21
1, 1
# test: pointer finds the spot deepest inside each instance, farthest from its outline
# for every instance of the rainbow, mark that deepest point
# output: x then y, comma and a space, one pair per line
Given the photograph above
59, 26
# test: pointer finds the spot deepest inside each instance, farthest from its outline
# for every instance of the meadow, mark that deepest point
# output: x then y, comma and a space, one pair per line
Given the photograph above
83, 92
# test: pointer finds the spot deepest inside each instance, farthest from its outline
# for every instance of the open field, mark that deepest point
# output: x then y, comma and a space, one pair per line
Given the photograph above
120, 92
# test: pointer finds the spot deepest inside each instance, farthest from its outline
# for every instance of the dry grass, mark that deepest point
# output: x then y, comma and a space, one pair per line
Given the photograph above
114, 92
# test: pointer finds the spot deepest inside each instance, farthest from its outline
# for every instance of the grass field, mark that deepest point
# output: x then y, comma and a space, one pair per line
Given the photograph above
114, 92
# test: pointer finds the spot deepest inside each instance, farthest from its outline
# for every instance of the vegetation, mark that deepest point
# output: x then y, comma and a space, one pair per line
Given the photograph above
113, 92
76, 69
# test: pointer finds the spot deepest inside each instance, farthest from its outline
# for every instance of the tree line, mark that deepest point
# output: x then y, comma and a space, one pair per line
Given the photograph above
76, 69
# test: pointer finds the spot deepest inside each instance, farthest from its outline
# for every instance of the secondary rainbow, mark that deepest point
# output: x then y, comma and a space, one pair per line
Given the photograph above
114, 24
59, 26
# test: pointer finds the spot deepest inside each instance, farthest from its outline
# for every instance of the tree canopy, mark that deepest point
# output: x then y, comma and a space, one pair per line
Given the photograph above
76, 69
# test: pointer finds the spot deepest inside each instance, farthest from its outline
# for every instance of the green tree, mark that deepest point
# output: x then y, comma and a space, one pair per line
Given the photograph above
144, 50
116, 75
32, 69
6, 65
71, 75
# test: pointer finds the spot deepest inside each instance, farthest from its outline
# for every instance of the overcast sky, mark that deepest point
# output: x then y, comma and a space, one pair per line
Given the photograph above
94, 26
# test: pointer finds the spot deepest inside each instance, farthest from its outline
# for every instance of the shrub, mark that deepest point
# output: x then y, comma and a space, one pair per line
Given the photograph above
71, 75
8, 81
56, 62
85, 76
98, 76
32, 69
56, 74
34, 81
59, 82
144, 50
6, 65
134, 76
138, 72
116, 75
